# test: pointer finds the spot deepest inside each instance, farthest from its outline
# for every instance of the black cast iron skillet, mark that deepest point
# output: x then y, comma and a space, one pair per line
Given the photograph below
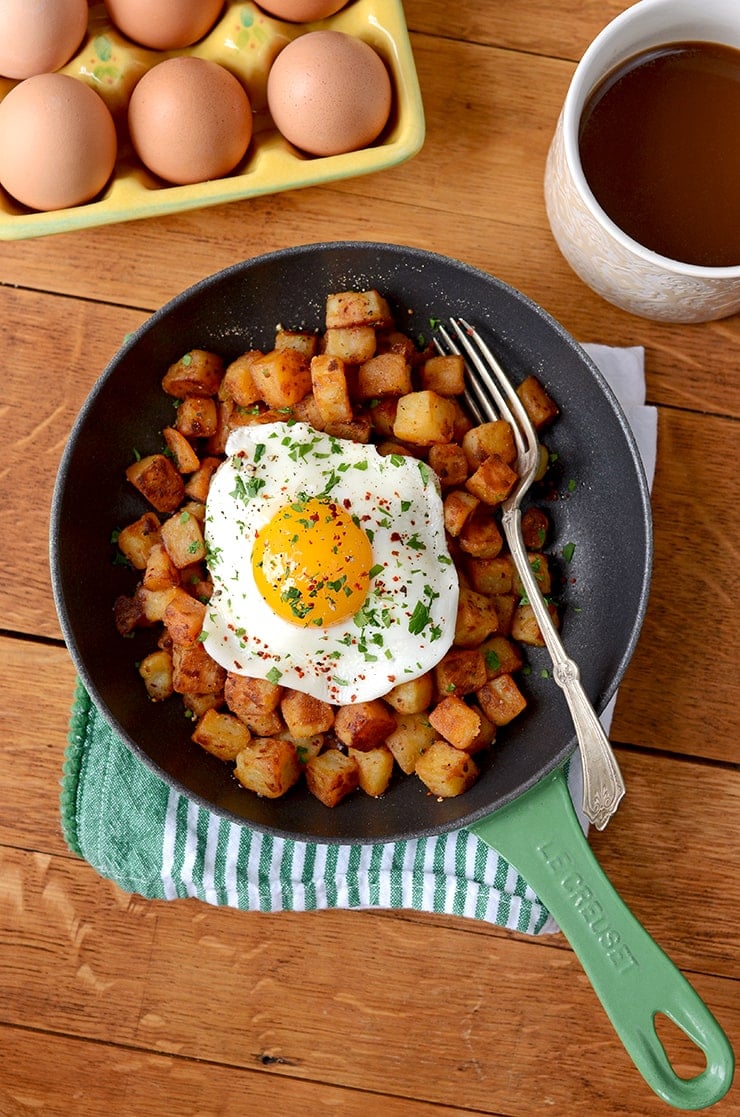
520, 805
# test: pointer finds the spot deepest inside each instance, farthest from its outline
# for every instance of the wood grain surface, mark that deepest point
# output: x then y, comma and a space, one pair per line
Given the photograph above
113, 1004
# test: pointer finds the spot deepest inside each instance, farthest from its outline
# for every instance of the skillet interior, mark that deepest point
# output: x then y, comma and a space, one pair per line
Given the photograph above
607, 517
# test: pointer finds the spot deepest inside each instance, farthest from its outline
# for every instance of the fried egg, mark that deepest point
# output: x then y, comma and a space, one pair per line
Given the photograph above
329, 562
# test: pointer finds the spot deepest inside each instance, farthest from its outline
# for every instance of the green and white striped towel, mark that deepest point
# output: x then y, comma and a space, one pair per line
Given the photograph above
133, 829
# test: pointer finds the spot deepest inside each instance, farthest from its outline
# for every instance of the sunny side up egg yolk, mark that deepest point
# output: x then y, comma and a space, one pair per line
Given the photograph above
312, 563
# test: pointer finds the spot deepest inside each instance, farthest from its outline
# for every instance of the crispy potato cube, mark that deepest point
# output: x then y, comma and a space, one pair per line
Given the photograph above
462, 420
492, 481
525, 627
183, 617
412, 696
156, 671
194, 672
216, 444
387, 374
448, 461
494, 437
182, 536
501, 700
197, 704
541, 570
386, 449
197, 417
128, 614
505, 604
446, 771
501, 656
535, 528
238, 383
269, 766
330, 388
458, 507
364, 724
354, 344
221, 734
307, 411
480, 536
302, 341
282, 377
393, 341
198, 484
383, 416
476, 618
183, 455
457, 722
331, 776
492, 576
537, 403
375, 768
197, 373
444, 374
460, 671
412, 736
245, 692
153, 602
486, 733
357, 429
424, 418
304, 715
158, 481
135, 541
161, 572
357, 308
306, 747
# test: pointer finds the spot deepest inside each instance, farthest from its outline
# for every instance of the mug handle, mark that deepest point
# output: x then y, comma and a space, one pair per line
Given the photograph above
540, 835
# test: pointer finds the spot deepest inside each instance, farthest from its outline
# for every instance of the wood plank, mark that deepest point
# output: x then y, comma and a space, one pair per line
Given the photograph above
438, 1018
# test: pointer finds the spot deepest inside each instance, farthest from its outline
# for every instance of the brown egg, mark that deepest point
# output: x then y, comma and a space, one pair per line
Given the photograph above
329, 93
190, 120
301, 11
57, 142
38, 37
164, 24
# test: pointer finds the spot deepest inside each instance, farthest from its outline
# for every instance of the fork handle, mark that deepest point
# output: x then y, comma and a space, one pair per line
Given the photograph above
603, 786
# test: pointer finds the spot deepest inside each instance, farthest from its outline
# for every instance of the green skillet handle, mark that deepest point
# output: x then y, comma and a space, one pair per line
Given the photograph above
539, 834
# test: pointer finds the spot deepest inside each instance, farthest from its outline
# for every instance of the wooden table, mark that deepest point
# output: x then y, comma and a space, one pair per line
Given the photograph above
113, 1004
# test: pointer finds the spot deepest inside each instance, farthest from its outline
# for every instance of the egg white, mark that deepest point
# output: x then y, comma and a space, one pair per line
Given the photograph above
407, 622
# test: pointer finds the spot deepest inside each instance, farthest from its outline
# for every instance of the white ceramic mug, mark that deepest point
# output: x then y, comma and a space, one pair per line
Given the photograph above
610, 262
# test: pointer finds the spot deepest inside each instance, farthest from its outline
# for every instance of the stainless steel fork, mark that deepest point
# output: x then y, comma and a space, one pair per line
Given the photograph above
490, 395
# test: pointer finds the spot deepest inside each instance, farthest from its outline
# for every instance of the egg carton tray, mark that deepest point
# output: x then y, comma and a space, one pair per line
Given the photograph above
246, 41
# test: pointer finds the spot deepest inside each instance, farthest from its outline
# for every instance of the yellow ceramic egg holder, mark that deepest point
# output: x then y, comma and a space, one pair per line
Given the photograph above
246, 41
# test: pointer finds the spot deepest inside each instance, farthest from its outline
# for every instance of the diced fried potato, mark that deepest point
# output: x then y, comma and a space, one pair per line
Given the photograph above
446, 771
182, 536
282, 377
306, 410
412, 696
492, 576
541, 570
357, 308
476, 618
153, 602
458, 507
448, 461
383, 416
540, 407
216, 444
387, 374
388, 448
444, 374
303, 341
158, 481
183, 455
221, 734
269, 766
411, 737
197, 704
494, 437
375, 768
462, 421
306, 747
535, 528
457, 722
161, 572
486, 733
505, 604
135, 541
198, 484
424, 418
156, 671
194, 672
480, 536
501, 700
492, 481
243, 691
197, 373
238, 383
393, 341
330, 388
331, 776
183, 617
364, 724
128, 613
501, 656
305, 715
525, 627
197, 417
460, 671
354, 344
358, 429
